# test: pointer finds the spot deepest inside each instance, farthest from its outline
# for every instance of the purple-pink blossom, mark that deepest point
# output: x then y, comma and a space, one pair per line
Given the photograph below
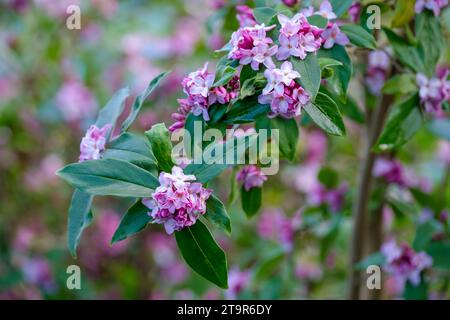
251, 176
334, 198
250, 45
297, 37
290, 3
333, 35
178, 201
433, 5
237, 282
435, 91
283, 93
391, 170
93, 143
377, 71
404, 263
274, 224
75, 101
354, 11
245, 16
326, 10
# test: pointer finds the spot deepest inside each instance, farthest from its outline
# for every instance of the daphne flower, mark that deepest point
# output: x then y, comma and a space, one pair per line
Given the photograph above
391, 170
198, 82
275, 225
326, 10
290, 3
378, 68
251, 176
278, 78
178, 201
75, 101
237, 282
404, 263
354, 11
93, 143
290, 46
334, 35
263, 54
435, 91
245, 16
433, 5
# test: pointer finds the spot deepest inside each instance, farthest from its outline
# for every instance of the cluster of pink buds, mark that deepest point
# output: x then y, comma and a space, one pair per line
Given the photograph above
201, 94
391, 170
245, 16
251, 176
93, 143
433, 5
283, 93
377, 71
177, 202
250, 45
297, 37
403, 263
435, 91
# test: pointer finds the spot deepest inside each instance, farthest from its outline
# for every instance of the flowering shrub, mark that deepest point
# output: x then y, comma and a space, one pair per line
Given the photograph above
357, 111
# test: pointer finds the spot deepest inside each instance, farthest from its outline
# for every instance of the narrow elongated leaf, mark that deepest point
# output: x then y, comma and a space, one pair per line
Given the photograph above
359, 36
80, 216
132, 222
349, 108
406, 53
309, 70
245, 111
400, 84
111, 112
251, 201
403, 122
205, 172
217, 214
328, 62
131, 148
288, 136
137, 105
203, 254
225, 76
110, 177
341, 74
325, 113
430, 38
159, 139
404, 12
340, 6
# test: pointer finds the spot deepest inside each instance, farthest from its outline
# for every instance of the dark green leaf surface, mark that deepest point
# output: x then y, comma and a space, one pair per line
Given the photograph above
217, 214
132, 222
159, 138
80, 216
251, 201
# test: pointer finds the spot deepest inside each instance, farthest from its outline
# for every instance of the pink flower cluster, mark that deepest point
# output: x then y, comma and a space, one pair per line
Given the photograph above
433, 5
274, 224
75, 101
377, 71
245, 16
325, 10
297, 37
93, 143
201, 94
251, 176
177, 202
250, 45
283, 93
391, 170
403, 263
435, 91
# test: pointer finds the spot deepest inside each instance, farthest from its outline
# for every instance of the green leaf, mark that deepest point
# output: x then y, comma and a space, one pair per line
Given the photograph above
309, 70
424, 199
113, 109
374, 259
288, 136
419, 292
225, 76
403, 122
428, 31
251, 201
341, 74
348, 108
137, 105
132, 222
340, 6
328, 62
159, 138
217, 214
425, 234
400, 84
203, 254
404, 12
318, 21
269, 267
264, 15
80, 216
440, 128
325, 113
110, 177
359, 36
245, 111
205, 172
328, 177
407, 54
131, 148
440, 252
